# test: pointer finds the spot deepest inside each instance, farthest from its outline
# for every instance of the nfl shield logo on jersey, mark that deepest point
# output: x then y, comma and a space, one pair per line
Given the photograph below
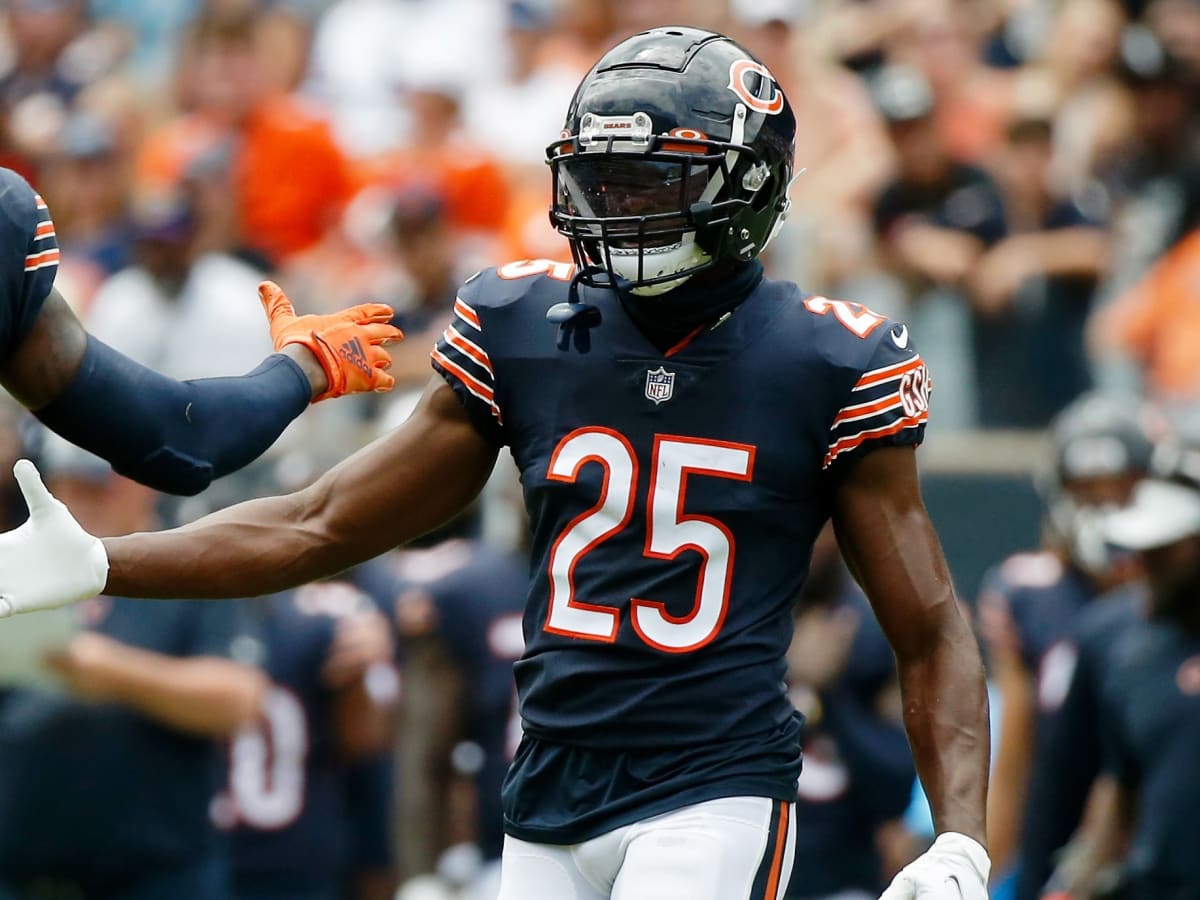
660, 384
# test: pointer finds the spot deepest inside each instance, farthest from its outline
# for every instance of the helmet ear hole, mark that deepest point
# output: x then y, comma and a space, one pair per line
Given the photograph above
764, 195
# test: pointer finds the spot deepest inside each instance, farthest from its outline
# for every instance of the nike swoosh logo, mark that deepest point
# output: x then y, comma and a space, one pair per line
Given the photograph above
900, 336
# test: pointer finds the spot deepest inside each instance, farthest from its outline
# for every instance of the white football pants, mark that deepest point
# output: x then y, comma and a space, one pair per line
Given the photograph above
735, 848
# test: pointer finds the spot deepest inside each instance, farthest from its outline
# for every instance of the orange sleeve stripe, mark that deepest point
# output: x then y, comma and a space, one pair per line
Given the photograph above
866, 409
44, 229
854, 440
37, 260
461, 344
41, 204
470, 382
886, 374
467, 314
781, 838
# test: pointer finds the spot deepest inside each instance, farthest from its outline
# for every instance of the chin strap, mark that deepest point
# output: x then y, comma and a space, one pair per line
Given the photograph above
576, 318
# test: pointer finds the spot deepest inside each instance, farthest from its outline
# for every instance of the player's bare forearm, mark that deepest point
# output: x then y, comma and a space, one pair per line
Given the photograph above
889, 543
393, 490
309, 365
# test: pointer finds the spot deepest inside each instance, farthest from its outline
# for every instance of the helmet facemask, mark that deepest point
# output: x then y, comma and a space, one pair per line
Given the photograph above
653, 210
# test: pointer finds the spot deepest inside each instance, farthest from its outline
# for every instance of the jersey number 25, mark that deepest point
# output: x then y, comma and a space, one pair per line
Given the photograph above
669, 532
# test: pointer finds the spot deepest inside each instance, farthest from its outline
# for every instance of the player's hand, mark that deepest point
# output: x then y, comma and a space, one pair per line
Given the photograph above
954, 868
50, 560
360, 640
83, 663
347, 344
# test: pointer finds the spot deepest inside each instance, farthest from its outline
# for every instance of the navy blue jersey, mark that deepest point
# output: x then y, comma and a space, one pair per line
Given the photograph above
858, 770
1151, 726
1067, 750
286, 800
477, 595
674, 498
100, 792
1034, 599
29, 258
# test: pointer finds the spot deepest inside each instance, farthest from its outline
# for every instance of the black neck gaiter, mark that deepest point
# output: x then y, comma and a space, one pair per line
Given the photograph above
668, 318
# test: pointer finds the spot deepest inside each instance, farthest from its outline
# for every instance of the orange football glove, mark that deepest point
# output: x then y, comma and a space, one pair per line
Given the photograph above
346, 343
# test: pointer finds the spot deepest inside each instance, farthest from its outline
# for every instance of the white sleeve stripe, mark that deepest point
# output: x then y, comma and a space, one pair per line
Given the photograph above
868, 410
469, 348
876, 377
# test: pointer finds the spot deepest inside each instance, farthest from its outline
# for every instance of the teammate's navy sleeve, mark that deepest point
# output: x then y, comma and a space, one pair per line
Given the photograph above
888, 404
461, 357
29, 258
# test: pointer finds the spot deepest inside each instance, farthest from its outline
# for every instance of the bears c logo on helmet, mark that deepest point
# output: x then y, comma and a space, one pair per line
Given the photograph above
738, 70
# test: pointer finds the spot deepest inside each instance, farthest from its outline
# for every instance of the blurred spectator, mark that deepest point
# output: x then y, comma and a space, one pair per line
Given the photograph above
1102, 446
933, 223
106, 787
41, 77
182, 309
1154, 178
459, 616
88, 178
364, 51
943, 41
858, 770
442, 157
843, 148
1032, 291
533, 96
328, 653
427, 249
1073, 76
1156, 323
291, 180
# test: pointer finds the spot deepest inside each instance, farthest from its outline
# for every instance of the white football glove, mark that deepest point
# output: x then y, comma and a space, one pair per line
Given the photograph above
50, 560
954, 868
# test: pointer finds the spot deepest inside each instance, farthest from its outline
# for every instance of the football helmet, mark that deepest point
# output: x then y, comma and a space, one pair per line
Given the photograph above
1102, 445
676, 156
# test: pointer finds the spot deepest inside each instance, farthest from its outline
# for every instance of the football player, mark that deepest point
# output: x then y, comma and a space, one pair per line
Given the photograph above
1102, 446
173, 436
459, 619
683, 428
286, 806
1150, 699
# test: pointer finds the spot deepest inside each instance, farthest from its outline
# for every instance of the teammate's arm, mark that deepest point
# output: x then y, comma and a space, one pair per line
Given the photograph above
395, 489
887, 539
201, 695
178, 436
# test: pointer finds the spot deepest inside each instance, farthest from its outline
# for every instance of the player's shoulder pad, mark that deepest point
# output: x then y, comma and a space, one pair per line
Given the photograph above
530, 280
19, 205
851, 336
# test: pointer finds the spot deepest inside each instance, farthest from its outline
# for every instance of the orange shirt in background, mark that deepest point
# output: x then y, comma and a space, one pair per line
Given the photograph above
472, 182
291, 179
1157, 322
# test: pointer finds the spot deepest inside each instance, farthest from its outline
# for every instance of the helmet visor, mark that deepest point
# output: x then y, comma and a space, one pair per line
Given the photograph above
605, 186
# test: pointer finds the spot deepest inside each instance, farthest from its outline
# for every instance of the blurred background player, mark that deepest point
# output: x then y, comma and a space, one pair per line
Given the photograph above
107, 784
327, 652
858, 772
459, 614
1102, 446
1151, 704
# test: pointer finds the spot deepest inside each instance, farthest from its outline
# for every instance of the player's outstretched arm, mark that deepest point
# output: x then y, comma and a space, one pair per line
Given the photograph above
393, 490
178, 436
889, 543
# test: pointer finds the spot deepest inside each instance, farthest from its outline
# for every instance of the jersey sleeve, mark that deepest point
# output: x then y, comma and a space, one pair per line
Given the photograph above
460, 356
889, 403
30, 257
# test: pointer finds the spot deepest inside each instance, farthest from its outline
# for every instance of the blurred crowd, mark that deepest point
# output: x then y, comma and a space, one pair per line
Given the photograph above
1016, 179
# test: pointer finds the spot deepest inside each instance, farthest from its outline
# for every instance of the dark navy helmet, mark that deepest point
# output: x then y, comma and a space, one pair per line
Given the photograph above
1103, 444
676, 157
